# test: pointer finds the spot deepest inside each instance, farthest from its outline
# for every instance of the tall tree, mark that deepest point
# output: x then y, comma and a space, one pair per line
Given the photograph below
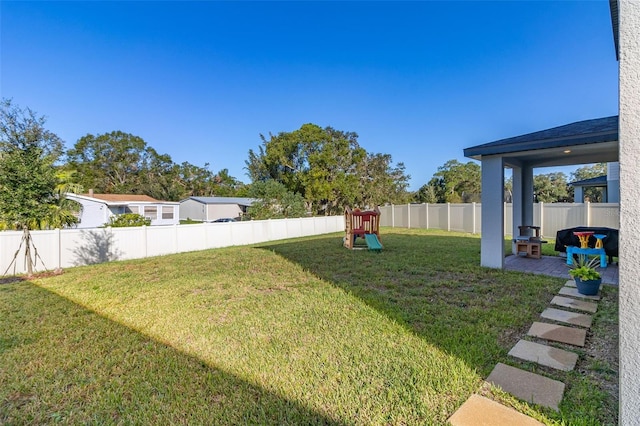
551, 188
426, 194
382, 182
226, 185
456, 182
327, 167
119, 162
28, 197
109, 163
274, 201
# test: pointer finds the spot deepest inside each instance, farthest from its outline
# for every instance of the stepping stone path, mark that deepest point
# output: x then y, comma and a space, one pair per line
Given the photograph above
558, 333
527, 386
531, 387
574, 318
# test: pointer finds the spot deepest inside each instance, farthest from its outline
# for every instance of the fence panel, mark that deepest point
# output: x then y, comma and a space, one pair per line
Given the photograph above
605, 215
73, 247
87, 246
219, 234
418, 216
439, 212
161, 240
552, 217
131, 243
400, 216
461, 217
558, 216
192, 237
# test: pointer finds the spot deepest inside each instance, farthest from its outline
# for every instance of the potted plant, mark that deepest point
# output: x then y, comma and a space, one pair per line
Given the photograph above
584, 273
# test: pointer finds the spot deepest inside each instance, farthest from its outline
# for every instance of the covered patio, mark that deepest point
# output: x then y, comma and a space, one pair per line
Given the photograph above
555, 266
583, 142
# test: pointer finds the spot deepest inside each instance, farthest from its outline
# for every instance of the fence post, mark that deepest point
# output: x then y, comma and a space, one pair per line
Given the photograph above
587, 213
541, 207
393, 216
144, 239
175, 238
504, 215
448, 217
426, 207
408, 215
473, 218
59, 248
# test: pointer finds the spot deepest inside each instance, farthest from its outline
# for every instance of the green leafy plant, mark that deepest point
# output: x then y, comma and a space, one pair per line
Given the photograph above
128, 219
585, 268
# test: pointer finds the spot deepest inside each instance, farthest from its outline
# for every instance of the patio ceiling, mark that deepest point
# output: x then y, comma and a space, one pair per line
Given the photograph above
583, 142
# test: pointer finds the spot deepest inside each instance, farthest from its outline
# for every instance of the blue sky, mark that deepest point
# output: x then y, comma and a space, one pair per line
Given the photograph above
201, 81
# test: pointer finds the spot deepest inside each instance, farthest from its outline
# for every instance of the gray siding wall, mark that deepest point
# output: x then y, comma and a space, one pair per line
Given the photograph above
191, 209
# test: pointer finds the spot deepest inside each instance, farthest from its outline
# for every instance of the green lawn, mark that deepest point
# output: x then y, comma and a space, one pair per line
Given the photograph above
292, 332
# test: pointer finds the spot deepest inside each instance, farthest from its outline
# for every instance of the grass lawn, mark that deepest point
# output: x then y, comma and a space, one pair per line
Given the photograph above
291, 332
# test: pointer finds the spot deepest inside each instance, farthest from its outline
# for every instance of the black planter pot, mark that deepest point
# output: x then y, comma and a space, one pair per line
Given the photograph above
588, 288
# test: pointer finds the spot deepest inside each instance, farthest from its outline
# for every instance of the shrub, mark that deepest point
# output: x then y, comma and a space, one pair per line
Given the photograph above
128, 219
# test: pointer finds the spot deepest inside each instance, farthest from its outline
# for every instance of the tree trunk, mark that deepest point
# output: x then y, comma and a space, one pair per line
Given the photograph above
26, 236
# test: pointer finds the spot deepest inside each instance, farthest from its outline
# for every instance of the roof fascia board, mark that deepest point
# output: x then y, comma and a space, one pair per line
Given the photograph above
493, 149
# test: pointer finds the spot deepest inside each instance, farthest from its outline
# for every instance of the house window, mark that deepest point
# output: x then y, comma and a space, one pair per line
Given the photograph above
151, 212
132, 209
167, 212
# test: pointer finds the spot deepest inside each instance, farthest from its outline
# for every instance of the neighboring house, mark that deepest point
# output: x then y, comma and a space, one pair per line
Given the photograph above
208, 209
610, 184
98, 208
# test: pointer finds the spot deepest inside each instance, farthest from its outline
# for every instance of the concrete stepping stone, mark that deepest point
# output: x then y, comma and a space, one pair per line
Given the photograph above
573, 292
570, 283
527, 386
574, 318
580, 305
481, 411
545, 355
558, 333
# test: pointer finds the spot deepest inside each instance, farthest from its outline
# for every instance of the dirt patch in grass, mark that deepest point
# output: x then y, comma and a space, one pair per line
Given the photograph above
38, 275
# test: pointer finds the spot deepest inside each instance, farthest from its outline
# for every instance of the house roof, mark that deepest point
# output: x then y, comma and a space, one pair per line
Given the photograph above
241, 201
122, 197
596, 181
582, 142
118, 199
615, 14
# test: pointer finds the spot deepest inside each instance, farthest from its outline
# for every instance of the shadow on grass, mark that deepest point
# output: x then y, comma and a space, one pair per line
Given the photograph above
434, 286
110, 374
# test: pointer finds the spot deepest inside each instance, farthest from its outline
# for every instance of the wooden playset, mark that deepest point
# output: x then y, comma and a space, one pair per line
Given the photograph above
364, 224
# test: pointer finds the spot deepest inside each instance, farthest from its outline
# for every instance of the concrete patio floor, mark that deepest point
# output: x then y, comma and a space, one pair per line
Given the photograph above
555, 266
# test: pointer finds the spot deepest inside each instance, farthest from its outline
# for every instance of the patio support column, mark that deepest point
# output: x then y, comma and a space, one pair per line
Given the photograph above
516, 204
629, 138
492, 222
527, 195
522, 203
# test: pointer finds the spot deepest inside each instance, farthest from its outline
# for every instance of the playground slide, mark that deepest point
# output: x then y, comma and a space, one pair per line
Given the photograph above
372, 242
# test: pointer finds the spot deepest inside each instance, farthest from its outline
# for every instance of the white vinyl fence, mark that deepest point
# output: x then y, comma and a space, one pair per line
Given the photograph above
551, 217
74, 247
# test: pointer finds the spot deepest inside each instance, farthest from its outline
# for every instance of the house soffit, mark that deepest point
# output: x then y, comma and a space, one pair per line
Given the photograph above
584, 142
